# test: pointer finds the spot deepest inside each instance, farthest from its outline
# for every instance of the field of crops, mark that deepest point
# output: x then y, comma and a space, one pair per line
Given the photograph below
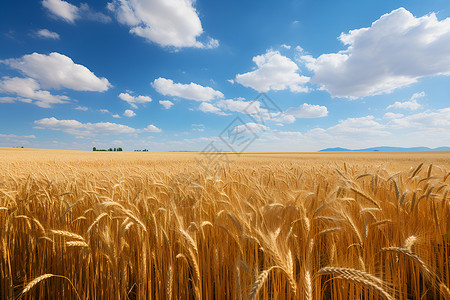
82, 225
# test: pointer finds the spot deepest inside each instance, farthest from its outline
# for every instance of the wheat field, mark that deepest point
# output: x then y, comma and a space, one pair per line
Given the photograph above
82, 225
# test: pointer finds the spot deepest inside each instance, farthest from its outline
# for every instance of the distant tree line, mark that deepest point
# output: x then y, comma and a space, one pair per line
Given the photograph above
145, 150
110, 149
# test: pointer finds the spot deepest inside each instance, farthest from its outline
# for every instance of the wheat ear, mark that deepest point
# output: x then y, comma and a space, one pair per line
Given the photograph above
68, 234
359, 277
35, 281
259, 282
445, 291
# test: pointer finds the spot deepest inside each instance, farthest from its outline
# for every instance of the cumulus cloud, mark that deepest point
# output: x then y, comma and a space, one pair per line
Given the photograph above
134, 100
8, 99
250, 128
62, 9
274, 72
58, 71
17, 136
106, 111
433, 119
395, 51
82, 129
28, 90
412, 104
47, 34
360, 127
240, 106
166, 103
70, 13
390, 115
209, 108
365, 125
284, 118
291, 133
231, 105
190, 91
151, 128
258, 111
308, 111
167, 23
82, 108
418, 95
129, 113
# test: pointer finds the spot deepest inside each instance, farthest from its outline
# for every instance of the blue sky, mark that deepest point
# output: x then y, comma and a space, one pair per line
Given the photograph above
174, 74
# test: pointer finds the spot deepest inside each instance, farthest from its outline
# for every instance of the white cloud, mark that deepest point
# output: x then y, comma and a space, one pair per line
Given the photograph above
166, 103
274, 72
62, 9
411, 105
397, 50
58, 71
105, 111
151, 128
88, 13
250, 128
69, 12
286, 46
209, 108
284, 119
132, 100
47, 34
7, 136
82, 108
7, 99
357, 127
390, 115
241, 106
291, 133
82, 129
254, 108
230, 81
129, 113
165, 22
308, 111
437, 119
190, 91
13, 99
418, 95
28, 89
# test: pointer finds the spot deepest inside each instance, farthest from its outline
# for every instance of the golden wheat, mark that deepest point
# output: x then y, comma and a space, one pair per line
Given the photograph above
267, 226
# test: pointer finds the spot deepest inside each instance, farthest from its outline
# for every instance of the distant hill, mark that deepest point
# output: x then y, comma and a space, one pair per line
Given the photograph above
384, 148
